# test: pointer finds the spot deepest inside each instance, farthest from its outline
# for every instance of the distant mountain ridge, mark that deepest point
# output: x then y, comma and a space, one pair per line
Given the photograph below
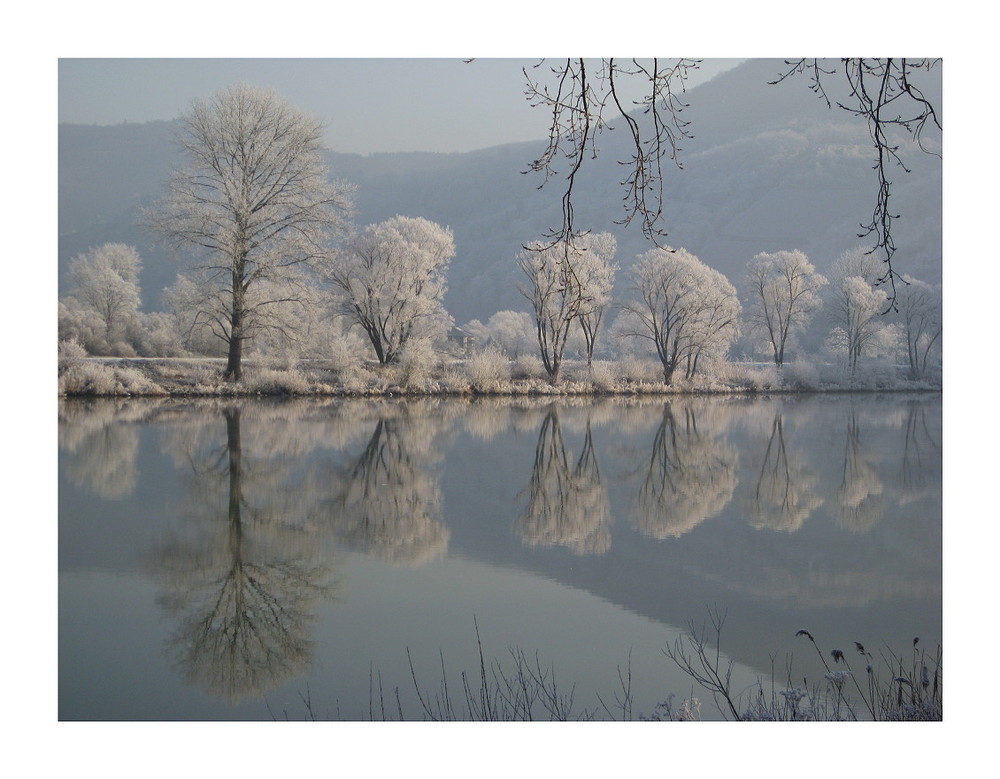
769, 168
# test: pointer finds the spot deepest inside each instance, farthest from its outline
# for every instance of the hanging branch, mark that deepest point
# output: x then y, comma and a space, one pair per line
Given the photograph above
883, 95
579, 103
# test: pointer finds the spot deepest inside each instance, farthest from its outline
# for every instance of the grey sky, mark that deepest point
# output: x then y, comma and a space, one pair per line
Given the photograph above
368, 105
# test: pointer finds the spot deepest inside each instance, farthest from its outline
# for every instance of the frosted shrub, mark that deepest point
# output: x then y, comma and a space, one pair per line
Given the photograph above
602, 374
71, 353
634, 368
268, 381
454, 378
762, 379
120, 349
88, 377
156, 336
418, 363
528, 366
135, 382
488, 369
345, 356
801, 375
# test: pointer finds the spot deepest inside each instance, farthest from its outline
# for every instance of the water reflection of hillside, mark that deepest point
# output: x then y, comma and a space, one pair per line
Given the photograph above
822, 508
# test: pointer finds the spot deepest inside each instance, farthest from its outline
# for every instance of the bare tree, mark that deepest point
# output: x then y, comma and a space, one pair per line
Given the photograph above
783, 289
254, 200
556, 295
919, 307
595, 272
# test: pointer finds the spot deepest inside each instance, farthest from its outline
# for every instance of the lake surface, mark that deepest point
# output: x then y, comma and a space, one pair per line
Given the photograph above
240, 559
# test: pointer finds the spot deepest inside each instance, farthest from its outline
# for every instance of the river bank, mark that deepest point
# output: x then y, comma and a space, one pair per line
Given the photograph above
203, 376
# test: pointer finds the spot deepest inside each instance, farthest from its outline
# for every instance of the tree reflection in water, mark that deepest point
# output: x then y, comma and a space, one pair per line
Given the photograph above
785, 493
691, 475
388, 503
240, 574
102, 438
566, 506
921, 450
860, 503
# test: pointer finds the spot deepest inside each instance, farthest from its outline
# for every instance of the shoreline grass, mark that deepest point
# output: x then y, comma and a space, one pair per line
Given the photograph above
81, 376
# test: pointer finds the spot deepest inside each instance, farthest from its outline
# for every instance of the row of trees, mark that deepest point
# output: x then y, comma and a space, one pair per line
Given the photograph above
688, 311
279, 264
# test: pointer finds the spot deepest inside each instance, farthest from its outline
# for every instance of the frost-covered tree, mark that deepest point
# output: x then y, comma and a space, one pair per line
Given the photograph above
566, 281
856, 308
920, 316
856, 305
392, 279
105, 281
782, 290
253, 199
513, 332
856, 262
686, 309
595, 272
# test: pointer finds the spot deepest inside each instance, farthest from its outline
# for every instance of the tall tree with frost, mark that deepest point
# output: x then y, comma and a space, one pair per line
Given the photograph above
857, 302
783, 292
566, 281
106, 280
685, 308
920, 313
254, 200
856, 308
393, 278
595, 272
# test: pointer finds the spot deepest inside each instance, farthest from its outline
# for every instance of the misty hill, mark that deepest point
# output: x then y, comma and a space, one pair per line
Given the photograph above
769, 168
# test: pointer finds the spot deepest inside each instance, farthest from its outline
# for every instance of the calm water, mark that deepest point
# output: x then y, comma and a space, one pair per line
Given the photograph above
256, 559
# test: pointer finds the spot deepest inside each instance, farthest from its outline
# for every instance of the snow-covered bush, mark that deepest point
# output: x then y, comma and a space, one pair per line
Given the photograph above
71, 353
270, 381
418, 363
488, 369
760, 379
602, 375
801, 375
90, 377
632, 367
155, 335
528, 366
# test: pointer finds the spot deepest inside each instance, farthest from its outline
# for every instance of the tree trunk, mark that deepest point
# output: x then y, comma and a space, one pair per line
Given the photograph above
234, 363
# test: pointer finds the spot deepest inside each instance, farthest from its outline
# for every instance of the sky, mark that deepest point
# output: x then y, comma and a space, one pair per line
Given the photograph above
366, 104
